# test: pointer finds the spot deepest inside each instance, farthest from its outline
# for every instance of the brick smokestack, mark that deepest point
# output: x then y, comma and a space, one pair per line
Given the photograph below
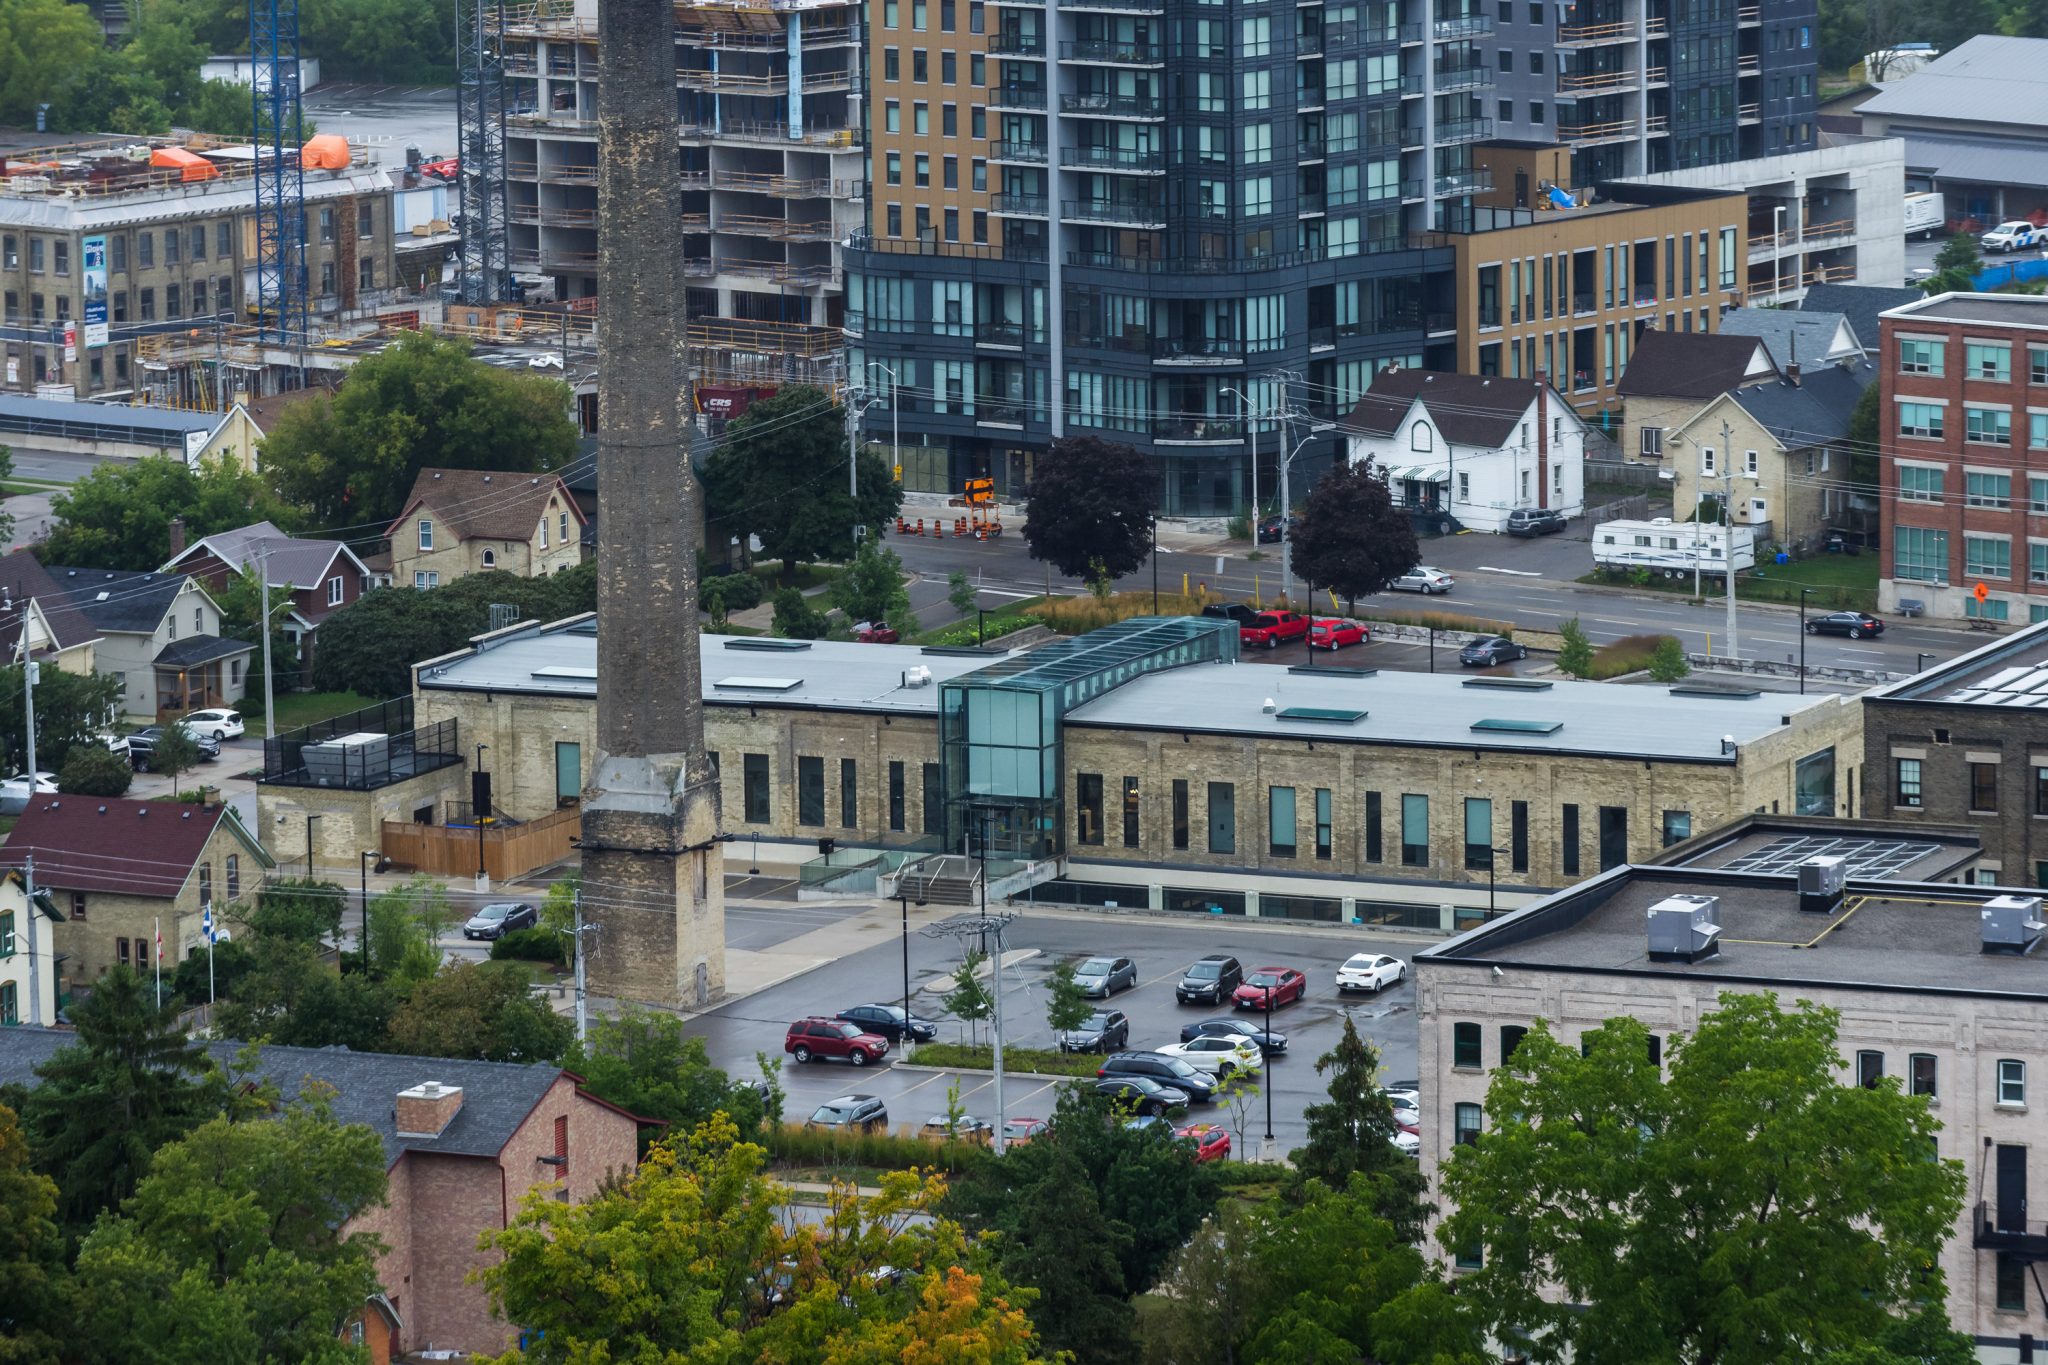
177, 536
653, 874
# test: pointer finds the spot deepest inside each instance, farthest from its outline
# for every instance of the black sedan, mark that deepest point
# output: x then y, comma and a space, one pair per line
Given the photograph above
1269, 529
1142, 1094
1854, 624
1269, 1043
142, 746
1491, 652
887, 1020
1105, 1031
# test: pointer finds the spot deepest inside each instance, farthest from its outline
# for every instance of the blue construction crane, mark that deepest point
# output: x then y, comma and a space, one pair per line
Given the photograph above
480, 135
278, 133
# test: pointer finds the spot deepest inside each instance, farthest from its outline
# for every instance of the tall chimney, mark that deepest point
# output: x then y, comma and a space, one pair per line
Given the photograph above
177, 536
653, 871
426, 1110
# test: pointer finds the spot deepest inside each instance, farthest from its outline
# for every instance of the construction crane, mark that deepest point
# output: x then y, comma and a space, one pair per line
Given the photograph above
480, 135
278, 132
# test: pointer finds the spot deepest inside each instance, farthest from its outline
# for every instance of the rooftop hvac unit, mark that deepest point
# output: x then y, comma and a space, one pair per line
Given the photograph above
1683, 928
1821, 879
2011, 924
357, 759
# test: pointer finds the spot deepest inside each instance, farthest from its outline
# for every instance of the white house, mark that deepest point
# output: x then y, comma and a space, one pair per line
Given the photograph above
1470, 449
28, 980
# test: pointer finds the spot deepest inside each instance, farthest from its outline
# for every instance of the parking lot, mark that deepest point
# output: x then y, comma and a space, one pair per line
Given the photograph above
1038, 941
1412, 656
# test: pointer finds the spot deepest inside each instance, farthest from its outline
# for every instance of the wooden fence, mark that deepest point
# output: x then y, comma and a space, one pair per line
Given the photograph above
509, 851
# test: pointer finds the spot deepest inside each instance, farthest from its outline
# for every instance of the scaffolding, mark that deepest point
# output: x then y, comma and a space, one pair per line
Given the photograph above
480, 136
279, 133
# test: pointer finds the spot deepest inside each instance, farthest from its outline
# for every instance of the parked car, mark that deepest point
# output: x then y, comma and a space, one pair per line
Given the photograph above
1271, 629
15, 793
1269, 529
221, 724
1335, 632
1177, 1072
1105, 976
1016, 1132
1407, 1105
1230, 611
875, 633
1854, 624
1211, 1141
1535, 521
1491, 652
499, 919
887, 1021
116, 744
1105, 1031
2014, 235
852, 1113
1425, 580
1407, 1143
823, 1038
1146, 1095
1370, 972
1218, 1055
142, 747
1213, 978
1271, 1043
966, 1128
1282, 983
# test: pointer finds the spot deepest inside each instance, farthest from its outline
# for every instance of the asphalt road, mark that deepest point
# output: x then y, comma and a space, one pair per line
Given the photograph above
1525, 582
1039, 941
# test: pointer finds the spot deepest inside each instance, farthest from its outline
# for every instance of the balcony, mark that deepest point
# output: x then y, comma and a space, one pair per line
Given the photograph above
1749, 65
1583, 84
1999, 1230
1017, 45
1464, 130
1018, 205
997, 412
1115, 52
1197, 350
1596, 35
1462, 26
1198, 430
1018, 97
1143, 216
1752, 112
1463, 76
1114, 6
1472, 180
1009, 335
1113, 106
1749, 16
1022, 153
1131, 160
1588, 134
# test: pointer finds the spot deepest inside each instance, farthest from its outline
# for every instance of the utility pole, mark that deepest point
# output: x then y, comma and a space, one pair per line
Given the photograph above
263, 590
1728, 536
582, 982
30, 670
965, 930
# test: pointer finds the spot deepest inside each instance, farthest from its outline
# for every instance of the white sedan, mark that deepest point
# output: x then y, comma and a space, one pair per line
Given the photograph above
1219, 1054
14, 792
1372, 972
219, 724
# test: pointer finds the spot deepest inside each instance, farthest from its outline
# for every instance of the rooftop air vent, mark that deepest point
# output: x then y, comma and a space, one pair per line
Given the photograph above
1821, 879
2011, 924
1683, 928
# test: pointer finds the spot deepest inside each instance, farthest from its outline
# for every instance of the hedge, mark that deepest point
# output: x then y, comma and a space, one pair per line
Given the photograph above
532, 945
795, 1145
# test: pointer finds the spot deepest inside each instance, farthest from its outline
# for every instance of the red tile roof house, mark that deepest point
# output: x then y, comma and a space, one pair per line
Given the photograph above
465, 1142
321, 576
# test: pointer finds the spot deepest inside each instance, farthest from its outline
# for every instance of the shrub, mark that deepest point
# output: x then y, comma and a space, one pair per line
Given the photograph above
1444, 621
531, 945
795, 1145
94, 770
739, 591
797, 619
1668, 663
994, 627
1079, 615
1575, 654
982, 1057
1630, 654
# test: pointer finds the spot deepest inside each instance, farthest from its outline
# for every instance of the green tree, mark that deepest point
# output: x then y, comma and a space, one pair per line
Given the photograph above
1956, 266
1067, 1006
33, 1323
970, 1001
1925, 1338
484, 1012
299, 910
131, 1083
233, 1247
1352, 1133
71, 711
350, 460
402, 927
1778, 1213
199, 979
241, 611
46, 48
961, 595
368, 647
175, 752
1091, 506
872, 588
1667, 663
290, 995
94, 770
1575, 655
1863, 438
644, 1063
1352, 539
1216, 1285
796, 618
1073, 1256
119, 515
780, 475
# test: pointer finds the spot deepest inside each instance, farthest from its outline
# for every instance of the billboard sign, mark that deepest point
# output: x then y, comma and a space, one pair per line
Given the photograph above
95, 252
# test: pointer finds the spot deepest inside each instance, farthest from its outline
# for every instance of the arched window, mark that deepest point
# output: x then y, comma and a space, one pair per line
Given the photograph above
1419, 436
490, 559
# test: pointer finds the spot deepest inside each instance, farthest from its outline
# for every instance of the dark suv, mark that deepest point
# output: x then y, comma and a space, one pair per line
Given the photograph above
1212, 980
1231, 611
1199, 1084
1535, 521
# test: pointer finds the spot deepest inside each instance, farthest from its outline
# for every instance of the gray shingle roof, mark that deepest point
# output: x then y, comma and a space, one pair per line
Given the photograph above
294, 563
1688, 364
1989, 79
22, 576
1859, 303
1469, 409
192, 650
1802, 337
120, 600
1814, 411
485, 504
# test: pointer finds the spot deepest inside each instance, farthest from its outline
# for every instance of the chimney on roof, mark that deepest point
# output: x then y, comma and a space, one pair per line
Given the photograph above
1792, 374
426, 1110
177, 536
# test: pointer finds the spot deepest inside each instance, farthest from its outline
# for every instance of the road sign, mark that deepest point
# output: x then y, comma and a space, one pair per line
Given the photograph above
1980, 592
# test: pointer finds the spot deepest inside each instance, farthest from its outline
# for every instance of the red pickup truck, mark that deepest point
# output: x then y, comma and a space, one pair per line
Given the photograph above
1273, 629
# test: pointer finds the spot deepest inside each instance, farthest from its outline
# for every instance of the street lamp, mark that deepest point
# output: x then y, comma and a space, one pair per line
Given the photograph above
363, 866
309, 848
1271, 991
903, 898
1251, 433
1804, 593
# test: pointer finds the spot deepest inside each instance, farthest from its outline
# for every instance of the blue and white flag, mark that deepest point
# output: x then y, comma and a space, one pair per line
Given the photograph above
206, 922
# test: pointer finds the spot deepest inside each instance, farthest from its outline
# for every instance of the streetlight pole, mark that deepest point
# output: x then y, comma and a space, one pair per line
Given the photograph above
363, 867
1777, 252
1728, 533
903, 898
309, 851
1804, 593
1268, 1078
1155, 563
1251, 433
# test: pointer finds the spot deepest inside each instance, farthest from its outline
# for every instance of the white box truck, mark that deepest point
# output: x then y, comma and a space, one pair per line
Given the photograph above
1672, 549
1924, 214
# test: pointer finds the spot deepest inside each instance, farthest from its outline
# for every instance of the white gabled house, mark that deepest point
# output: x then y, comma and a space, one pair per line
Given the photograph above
1464, 450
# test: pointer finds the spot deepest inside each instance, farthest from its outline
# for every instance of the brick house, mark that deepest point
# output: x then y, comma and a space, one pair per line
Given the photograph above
464, 521
464, 1143
321, 576
120, 869
1964, 423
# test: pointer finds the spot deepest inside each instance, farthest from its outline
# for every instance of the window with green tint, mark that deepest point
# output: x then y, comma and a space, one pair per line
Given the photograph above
1922, 419
1478, 832
1465, 1042
1280, 821
1324, 830
1987, 557
1920, 357
1988, 360
1520, 727
1917, 483
1990, 609
1919, 554
1987, 426
1330, 715
1986, 489
1677, 826
1414, 830
2037, 431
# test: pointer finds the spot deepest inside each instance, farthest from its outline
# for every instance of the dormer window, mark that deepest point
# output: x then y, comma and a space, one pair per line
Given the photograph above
426, 535
1419, 437
563, 529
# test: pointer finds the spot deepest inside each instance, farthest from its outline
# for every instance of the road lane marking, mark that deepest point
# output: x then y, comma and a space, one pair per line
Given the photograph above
1515, 573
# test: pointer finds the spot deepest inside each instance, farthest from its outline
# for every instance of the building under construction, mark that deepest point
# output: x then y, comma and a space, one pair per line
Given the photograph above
770, 96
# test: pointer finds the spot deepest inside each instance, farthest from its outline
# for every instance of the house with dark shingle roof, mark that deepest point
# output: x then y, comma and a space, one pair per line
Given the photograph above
465, 1143
464, 521
159, 633
1802, 336
122, 872
320, 576
1470, 449
1672, 375
37, 619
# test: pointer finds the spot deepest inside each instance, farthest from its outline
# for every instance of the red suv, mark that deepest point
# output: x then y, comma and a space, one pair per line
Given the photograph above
817, 1038
1273, 628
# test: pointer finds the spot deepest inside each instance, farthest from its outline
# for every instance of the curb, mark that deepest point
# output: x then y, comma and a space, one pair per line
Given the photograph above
983, 1071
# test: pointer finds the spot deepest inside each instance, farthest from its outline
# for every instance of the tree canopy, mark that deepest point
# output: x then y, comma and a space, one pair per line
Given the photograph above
1956, 266
1748, 1208
119, 515
779, 475
1091, 506
1352, 1132
1352, 539
644, 1063
350, 460
368, 647
479, 1010
71, 711
32, 1316
872, 588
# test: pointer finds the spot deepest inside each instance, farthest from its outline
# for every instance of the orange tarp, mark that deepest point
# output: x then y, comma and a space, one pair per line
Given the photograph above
193, 166
325, 152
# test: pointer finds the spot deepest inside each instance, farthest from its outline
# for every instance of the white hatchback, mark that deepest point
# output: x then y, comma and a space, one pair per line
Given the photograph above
218, 725
1372, 972
1219, 1054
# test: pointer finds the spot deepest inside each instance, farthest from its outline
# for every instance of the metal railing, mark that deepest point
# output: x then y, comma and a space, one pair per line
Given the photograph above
1114, 52
1102, 105
1030, 153
374, 762
1010, 44
1016, 97
1113, 159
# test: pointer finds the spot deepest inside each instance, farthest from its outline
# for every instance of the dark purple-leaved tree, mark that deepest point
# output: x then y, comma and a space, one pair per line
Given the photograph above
1352, 539
1091, 508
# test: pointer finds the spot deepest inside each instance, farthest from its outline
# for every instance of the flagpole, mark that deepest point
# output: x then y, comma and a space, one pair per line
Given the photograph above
207, 923
159, 962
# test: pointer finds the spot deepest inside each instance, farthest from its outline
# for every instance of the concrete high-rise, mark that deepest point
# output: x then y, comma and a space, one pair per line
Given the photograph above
653, 870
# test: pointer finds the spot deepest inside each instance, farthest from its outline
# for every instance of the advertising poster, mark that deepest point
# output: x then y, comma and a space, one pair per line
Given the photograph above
95, 252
